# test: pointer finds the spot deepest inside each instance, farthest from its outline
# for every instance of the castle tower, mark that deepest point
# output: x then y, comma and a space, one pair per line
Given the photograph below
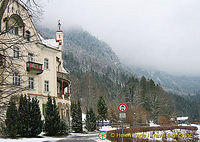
59, 36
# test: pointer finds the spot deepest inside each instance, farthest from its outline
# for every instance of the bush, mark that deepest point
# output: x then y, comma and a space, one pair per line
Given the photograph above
64, 129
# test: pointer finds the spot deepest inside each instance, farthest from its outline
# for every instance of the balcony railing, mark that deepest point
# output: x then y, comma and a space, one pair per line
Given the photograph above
35, 68
63, 76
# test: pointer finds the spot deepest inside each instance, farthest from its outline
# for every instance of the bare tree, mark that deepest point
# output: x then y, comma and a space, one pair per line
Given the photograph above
15, 43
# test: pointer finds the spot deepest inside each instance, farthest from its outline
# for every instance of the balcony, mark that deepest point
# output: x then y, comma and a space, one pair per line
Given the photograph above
63, 76
63, 81
34, 68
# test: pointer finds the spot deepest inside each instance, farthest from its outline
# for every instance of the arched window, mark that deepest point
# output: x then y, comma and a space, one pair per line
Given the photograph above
28, 35
15, 24
16, 52
46, 63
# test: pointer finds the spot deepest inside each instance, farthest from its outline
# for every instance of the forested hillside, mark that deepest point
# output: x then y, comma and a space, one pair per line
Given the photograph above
95, 71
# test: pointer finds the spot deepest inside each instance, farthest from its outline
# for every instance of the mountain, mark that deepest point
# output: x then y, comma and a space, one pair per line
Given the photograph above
181, 85
95, 71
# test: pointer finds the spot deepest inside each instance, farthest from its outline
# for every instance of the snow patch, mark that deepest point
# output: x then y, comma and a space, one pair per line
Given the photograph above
107, 128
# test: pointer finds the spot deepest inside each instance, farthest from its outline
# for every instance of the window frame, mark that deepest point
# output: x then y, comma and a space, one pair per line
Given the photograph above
28, 35
16, 52
16, 79
30, 57
46, 63
46, 86
31, 83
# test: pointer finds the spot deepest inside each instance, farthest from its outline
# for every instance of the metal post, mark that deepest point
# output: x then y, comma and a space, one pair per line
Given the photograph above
122, 130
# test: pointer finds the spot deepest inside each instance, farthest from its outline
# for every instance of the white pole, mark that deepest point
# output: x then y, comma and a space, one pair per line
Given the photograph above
122, 130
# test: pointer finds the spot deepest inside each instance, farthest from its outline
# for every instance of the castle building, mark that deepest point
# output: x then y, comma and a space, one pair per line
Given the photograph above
38, 61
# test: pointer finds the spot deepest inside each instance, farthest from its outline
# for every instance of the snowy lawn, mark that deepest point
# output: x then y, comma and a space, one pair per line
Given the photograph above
107, 128
198, 131
90, 136
52, 139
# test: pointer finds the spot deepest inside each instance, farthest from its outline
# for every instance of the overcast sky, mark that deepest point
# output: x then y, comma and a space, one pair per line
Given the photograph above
161, 34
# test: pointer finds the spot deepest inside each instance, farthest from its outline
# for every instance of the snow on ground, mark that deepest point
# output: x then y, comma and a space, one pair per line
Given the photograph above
91, 136
151, 124
31, 139
198, 131
107, 128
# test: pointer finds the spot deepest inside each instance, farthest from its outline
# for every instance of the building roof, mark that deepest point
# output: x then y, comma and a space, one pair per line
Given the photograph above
49, 42
65, 71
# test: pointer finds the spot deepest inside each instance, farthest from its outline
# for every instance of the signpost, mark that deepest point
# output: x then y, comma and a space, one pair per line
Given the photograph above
122, 115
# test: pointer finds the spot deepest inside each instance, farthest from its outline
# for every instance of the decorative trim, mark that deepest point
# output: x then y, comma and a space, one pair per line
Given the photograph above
43, 95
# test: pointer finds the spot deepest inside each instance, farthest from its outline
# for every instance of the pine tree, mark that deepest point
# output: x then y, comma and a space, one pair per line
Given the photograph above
23, 117
52, 119
102, 109
76, 114
79, 114
12, 119
48, 126
56, 119
90, 120
35, 118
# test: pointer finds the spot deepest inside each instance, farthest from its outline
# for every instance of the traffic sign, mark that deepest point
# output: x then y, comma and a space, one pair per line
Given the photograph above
122, 115
122, 107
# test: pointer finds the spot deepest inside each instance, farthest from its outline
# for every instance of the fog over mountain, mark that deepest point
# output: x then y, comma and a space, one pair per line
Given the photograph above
163, 35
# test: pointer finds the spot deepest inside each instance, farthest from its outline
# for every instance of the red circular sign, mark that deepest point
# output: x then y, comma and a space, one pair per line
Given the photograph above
122, 107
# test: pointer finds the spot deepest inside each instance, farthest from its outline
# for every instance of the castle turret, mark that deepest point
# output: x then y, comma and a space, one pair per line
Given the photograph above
59, 36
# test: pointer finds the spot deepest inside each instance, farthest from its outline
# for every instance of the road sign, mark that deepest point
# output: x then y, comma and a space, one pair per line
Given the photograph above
122, 107
122, 115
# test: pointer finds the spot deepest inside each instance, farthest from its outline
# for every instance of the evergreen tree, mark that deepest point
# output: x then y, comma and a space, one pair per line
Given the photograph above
64, 130
56, 119
23, 117
49, 114
35, 118
79, 114
102, 109
11, 119
76, 114
52, 119
90, 120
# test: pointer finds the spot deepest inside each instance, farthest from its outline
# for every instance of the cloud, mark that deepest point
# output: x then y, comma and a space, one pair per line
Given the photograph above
164, 35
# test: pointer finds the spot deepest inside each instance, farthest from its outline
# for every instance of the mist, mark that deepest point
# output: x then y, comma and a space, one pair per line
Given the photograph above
163, 35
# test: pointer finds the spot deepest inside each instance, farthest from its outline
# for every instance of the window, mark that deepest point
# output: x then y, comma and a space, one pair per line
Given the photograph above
14, 30
16, 52
28, 35
8, 9
16, 79
46, 63
30, 57
46, 86
31, 83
